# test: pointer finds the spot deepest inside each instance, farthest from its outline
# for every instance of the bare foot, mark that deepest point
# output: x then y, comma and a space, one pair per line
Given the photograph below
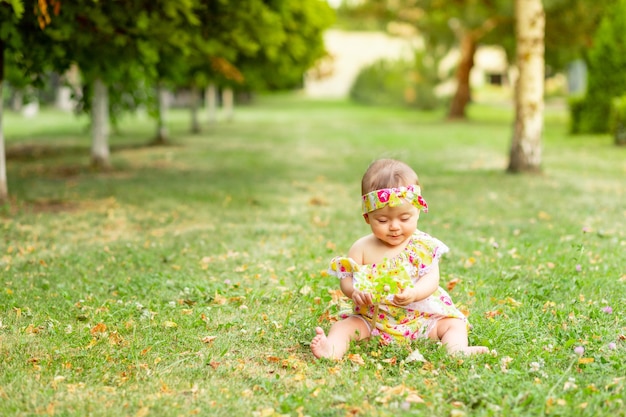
471, 350
320, 346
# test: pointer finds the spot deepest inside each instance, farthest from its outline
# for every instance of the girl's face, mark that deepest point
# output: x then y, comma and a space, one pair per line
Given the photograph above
393, 225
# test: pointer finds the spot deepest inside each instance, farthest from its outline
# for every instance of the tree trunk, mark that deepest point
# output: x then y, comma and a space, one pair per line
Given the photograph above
463, 93
100, 125
4, 189
525, 155
210, 98
17, 101
162, 133
195, 125
228, 102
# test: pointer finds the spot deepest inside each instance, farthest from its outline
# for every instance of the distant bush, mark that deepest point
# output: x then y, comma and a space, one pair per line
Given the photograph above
575, 104
607, 60
617, 123
381, 83
396, 83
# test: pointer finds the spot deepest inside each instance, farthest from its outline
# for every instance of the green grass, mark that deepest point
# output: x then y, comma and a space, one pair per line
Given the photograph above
188, 280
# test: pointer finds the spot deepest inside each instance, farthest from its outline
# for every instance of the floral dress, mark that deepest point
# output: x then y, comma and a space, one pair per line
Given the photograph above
408, 322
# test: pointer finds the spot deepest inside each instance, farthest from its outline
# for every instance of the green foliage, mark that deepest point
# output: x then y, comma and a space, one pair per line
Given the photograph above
618, 120
570, 24
575, 105
606, 62
298, 45
24, 63
189, 279
382, 83
17, 5
397, 83
175, 43
570, 29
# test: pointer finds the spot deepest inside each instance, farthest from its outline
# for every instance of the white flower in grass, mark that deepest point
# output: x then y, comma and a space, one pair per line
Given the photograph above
570, 384
535, 366
504, 364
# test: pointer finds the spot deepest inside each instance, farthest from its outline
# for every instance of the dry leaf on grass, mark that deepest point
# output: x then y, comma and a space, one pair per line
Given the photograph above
415, 356
452, 283
208, 339
98, 330
115, 338
389, 393
356, 358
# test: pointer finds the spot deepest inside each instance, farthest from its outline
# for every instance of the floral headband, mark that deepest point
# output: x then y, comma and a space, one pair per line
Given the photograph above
393, 197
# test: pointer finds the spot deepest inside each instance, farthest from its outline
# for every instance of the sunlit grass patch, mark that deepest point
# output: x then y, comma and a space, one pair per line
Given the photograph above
189, 278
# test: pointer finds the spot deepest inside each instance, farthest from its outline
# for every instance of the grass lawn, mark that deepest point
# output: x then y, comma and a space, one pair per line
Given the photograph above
189, 279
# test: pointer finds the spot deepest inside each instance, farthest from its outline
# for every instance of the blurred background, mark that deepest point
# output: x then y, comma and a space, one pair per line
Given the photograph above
108, 59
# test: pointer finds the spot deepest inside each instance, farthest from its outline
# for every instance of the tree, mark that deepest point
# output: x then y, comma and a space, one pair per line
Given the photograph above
570, 29
253, 46
115, 45
570, 25
525, 154
296, 45
173, 35
4, 189
606, 62
10, 14
448, 24
225, 31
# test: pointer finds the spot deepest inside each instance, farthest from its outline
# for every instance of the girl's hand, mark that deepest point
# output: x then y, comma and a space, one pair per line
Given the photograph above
406, 297
361, 298
423, 288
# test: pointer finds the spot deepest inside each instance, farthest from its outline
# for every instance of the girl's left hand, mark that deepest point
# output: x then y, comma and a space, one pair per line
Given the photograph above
361, 298
406, 297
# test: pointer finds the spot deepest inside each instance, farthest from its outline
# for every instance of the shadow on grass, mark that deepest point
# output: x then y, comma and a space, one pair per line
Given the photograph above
32, 152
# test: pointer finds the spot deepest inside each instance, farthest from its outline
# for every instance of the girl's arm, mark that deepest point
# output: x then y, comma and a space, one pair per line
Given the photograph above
423, 288
360, 298
347, 285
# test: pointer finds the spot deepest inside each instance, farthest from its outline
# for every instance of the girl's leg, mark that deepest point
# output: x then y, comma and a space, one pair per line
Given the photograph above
341, 333
453, 334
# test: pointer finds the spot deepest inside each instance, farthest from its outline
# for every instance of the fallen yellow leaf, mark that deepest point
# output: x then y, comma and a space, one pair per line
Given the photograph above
115, 338
356, 358
219, 300
208, 339
98, 329
414, 398
452, 283
142, 412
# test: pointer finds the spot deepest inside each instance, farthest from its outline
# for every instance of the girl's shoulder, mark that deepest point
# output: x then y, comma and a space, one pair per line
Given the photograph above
342, 267
423, 250
423, 241
420, 253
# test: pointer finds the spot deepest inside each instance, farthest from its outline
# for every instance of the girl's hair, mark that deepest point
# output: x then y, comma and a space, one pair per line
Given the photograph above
387, 173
